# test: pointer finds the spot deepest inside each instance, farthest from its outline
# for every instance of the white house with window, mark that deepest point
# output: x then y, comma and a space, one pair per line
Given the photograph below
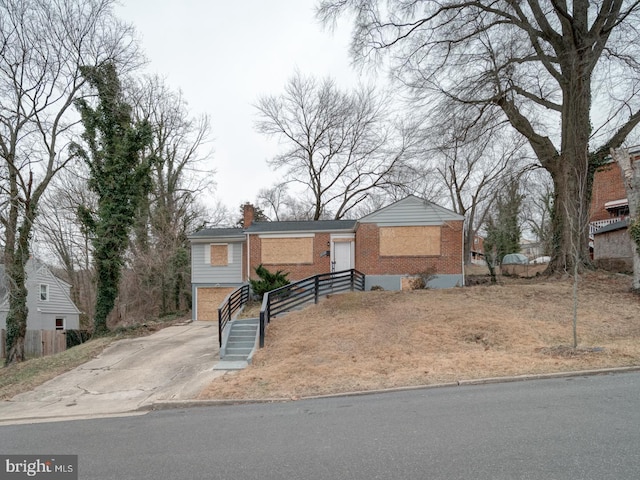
48, 300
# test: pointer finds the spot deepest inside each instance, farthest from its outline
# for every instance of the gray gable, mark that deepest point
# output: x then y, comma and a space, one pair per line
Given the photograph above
411, 211
38, 272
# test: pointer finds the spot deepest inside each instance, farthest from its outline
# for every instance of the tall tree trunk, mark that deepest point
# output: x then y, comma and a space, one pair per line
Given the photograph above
570, 222
108, 271
572, 176
18, 311
18, 231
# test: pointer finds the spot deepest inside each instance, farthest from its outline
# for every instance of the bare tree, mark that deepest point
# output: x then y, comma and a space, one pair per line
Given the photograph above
577, 214
537, 207
43, 44
180, 149
473, 163
339, 145
542, 65
59, 230
278, 204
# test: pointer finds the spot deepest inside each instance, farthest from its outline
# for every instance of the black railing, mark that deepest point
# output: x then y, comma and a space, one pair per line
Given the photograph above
290, 296
234, 301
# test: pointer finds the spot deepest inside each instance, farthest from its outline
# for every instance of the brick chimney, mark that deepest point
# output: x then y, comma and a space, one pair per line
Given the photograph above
248, 213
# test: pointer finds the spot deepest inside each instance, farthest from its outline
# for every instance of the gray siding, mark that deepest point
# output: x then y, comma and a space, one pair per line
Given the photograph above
411, 211
203, 273
394, 282
43, 313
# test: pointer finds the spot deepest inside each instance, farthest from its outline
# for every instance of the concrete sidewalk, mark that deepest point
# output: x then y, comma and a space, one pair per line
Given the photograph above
175, 363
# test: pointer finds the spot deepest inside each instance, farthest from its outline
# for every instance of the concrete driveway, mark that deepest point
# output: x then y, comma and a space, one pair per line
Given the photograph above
127, 378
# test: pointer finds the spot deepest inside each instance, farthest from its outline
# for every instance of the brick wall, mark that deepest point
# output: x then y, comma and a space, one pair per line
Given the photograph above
296, 271
369, 261
607, 186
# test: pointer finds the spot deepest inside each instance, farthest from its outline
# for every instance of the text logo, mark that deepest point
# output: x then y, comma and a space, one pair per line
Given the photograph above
43, 467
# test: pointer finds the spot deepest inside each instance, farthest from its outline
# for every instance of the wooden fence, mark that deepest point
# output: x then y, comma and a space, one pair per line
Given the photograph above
39, 343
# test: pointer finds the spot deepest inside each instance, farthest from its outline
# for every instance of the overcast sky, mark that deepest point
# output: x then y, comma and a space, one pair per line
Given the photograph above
224, 55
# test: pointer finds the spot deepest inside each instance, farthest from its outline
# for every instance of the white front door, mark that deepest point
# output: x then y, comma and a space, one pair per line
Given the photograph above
342, 256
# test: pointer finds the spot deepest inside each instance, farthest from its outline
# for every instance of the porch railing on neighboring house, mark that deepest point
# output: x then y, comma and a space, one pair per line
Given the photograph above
234, 301
598, 224
290, 296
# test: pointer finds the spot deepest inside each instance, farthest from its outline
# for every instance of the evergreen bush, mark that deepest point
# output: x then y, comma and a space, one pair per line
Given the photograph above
268, 281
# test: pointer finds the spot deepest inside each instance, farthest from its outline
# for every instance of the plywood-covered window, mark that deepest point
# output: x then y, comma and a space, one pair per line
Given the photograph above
219, 255
276, 251
410, 241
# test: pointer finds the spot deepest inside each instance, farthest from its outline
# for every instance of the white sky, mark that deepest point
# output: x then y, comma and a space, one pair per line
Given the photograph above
224, 55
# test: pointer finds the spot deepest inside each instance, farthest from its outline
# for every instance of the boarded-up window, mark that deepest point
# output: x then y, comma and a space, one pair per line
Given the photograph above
409, 241
219, 255
277, 251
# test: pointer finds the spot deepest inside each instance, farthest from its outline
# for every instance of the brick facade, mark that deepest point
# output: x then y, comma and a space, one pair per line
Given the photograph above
407, 238
370, 262
612, 250
297, 271
367, 255
607, 187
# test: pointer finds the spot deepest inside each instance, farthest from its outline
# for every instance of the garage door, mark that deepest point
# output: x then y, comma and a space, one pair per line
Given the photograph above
209, 300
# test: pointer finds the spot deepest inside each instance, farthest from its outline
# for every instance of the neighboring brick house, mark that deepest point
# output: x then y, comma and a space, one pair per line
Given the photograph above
477, 249
611, 245
405, 239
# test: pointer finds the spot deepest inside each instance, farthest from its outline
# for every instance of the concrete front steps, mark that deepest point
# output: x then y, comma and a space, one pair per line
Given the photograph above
238, 345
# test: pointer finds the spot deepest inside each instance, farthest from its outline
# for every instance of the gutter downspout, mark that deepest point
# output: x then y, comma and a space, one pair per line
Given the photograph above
248, 257
463, 259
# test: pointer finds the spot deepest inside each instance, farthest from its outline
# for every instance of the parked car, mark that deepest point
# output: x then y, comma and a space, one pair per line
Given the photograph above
515, 259
539, 260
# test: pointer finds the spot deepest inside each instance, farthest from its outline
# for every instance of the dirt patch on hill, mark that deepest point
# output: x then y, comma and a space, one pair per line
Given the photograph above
373, 340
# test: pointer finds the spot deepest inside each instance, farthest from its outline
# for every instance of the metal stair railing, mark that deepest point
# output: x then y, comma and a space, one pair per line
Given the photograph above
234, 301
286, 298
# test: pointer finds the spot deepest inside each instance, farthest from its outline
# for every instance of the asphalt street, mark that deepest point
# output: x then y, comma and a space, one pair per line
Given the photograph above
570, 428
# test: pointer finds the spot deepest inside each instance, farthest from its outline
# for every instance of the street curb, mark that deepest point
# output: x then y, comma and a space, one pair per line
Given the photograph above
173, 404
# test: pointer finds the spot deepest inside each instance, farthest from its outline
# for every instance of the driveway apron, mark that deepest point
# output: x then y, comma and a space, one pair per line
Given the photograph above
175, 363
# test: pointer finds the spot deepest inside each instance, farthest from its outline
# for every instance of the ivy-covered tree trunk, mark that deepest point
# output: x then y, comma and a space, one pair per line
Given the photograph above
16, 255
119, 175
18, 311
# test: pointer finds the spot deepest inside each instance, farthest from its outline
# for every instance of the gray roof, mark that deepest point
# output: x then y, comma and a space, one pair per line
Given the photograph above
217, 233
409, 211
303, 226
613, 227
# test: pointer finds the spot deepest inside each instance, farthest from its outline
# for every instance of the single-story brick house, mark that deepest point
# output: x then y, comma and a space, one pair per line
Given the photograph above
404, 239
